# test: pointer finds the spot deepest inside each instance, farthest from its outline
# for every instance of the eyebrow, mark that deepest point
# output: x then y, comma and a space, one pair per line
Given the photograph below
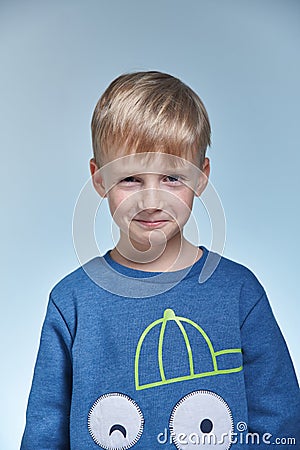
169, 173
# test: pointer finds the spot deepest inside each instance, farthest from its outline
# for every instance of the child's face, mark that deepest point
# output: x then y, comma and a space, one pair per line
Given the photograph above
150, 197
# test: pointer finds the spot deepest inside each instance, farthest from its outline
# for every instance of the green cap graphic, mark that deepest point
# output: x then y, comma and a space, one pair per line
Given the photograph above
169, 315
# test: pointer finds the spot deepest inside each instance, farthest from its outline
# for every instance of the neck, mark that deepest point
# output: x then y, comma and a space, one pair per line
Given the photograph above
175, 255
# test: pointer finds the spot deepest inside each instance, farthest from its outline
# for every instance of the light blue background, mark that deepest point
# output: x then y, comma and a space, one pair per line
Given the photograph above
241, 56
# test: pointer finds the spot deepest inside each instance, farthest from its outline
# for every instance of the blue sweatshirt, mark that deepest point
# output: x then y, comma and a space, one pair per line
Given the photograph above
129, 358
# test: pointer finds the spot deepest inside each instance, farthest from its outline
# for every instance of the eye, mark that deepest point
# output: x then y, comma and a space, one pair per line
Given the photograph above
201, 418
129, 180
115, 422
173, 179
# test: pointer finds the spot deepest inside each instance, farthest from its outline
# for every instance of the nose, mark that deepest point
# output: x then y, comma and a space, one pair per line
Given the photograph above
151, 199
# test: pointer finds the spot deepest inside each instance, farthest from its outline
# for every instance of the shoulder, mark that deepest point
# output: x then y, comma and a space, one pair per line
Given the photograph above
239, 282
77, 284
228, 270
231, 276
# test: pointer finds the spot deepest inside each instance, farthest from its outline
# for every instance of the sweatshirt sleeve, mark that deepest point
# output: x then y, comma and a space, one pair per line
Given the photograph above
271, 384
48, 410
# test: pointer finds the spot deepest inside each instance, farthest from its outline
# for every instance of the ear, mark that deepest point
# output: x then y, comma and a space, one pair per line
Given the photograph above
203, 178
97, 179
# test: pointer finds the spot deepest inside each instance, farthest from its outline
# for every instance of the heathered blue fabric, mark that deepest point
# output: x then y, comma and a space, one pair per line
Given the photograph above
90, 336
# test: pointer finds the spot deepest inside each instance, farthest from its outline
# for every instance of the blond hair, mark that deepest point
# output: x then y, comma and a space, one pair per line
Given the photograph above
149, 112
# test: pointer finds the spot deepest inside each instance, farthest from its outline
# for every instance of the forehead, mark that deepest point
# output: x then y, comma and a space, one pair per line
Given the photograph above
150, 162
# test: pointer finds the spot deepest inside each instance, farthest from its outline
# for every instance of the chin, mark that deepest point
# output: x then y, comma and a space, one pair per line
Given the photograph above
145, 244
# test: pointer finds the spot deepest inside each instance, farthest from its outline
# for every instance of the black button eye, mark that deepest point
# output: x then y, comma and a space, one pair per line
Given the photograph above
206, 426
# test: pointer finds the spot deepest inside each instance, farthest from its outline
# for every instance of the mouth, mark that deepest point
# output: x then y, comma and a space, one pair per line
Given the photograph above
151, 223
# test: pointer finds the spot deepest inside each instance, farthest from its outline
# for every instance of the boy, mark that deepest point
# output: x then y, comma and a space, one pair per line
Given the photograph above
136, 349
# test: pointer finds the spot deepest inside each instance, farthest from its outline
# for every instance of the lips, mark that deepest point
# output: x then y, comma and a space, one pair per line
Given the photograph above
151, 223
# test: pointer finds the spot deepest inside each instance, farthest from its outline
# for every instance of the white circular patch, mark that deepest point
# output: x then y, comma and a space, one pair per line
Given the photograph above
115, 421
201, 419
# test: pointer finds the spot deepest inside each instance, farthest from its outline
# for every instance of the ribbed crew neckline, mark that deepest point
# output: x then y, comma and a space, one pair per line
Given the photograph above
127, 282
163, 276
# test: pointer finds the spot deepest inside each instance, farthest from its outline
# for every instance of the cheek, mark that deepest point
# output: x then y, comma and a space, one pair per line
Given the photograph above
119, 204
183, 210
185, 203
189, 201
114, 202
